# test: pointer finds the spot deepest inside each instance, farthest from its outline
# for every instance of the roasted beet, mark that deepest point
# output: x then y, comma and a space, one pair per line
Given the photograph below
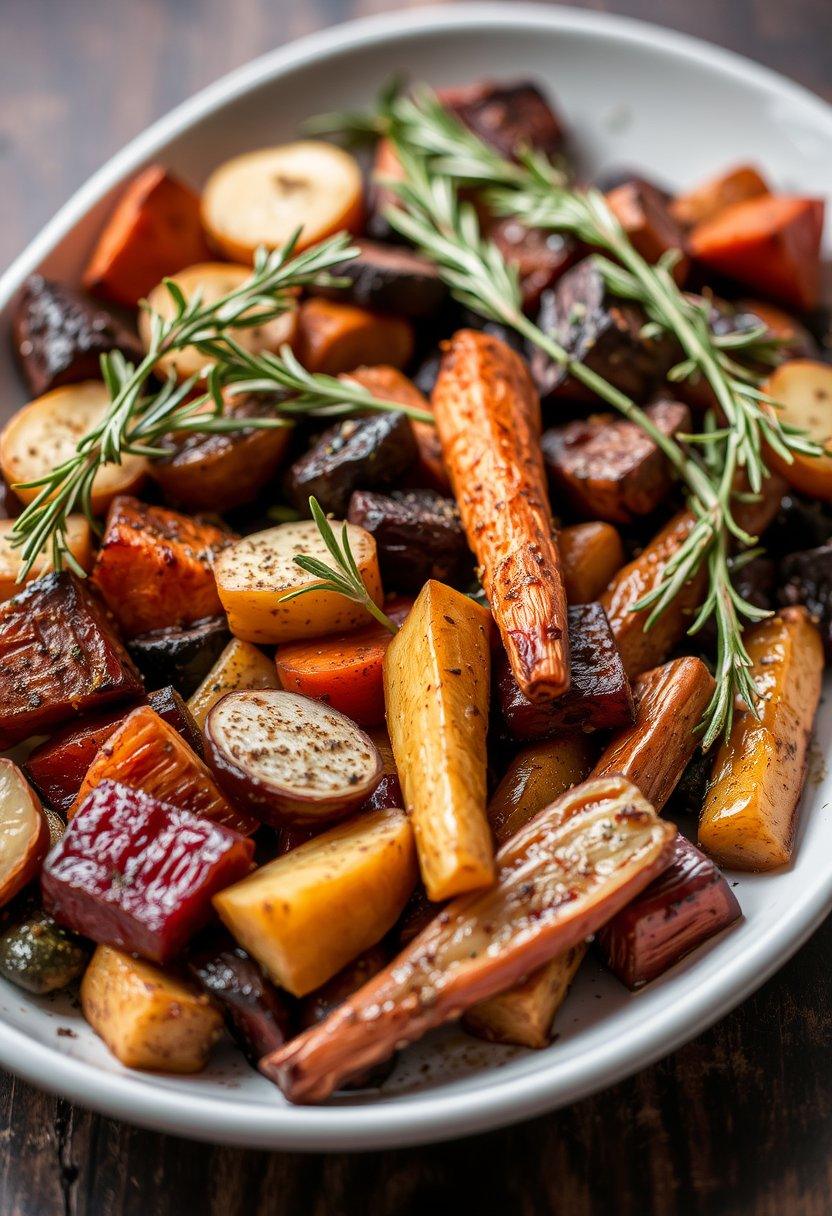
681, 909
59, 657
169, 705
643, 213
540, 257
620, 175
138, 874
371, 452
59, 335
806, 578
390, 278
602, 332
387, 794
599, 695
418, 536
181, 655
508, 117
258, 1016
607, 468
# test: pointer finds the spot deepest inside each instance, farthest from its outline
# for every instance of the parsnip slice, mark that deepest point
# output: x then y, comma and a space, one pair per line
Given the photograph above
79, 542
46, 432
24, 831
803, 390
212, 280
240, 666
310, 912
436, 684
263, 197
255, 574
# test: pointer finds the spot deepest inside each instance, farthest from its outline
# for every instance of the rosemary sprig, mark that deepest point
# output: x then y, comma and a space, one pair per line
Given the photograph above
342, 579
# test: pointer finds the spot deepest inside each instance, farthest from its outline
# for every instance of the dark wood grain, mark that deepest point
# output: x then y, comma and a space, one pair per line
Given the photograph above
739, 1122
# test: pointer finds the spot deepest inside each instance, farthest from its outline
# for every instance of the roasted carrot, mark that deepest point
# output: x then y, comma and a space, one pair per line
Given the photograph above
488, 417
334, 338
706, 201
146, 753
559, 879
154, 231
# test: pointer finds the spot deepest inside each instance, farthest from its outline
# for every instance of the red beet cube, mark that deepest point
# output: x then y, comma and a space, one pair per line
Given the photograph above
137, 873
678, 911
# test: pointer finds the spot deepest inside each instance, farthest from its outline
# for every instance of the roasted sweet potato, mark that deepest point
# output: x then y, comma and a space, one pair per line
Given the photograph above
79, 542
608, 468
770, 243
240, 666
591, 554
310, 912
649, 223
436, 684
536, 776
750, 813
599, 694
418, 535
428, 469
59, 657
179, 654
707, 200
153, 231
335, 337
560, 878
154, 567
144, 752
488, 418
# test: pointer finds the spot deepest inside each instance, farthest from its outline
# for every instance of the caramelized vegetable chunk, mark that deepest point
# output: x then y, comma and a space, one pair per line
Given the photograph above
536, 776
79, 543
59, 657
183, 654
389, 279
750, 813
559, 879
154, 231
154, 567
706, 201
59, 335
488, 417
682, 908
509, 117
802, 389
591, 554
146, 753
240, 666
24, 832
335, 337
608, 468
148, 1018
599, 694
136, 873
524, 1014
418, 535
649, 223
541, 257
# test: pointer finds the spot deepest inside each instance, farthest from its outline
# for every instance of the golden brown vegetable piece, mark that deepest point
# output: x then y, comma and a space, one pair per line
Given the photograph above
488, 416
524, 1014
149, 1018
240, 666
705, 201
750, 813
653, 752
79, 541
536, 776
24, 831
803, 390
591, 554
560, 878
436, 688
310, 912
335, 338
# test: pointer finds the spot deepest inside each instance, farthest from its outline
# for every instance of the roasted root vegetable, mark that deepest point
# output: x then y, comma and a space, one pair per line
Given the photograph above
802, 389
707, 200
258, 1017
60, 335
750, 814
524, 1013
436, 688
609, 469
138, 874
289, 760
770, 244
24, 832
334, 338
255, 575
488, 417
153, 231
536, 776
146, 753
591, 554
310, 912
149, 1018
389, 279
510, 117
183, 654
560, 878
39, 956
266, 197
649, 223
371, 452
154, 566
682, 908
599, 694
79, 543
59, 658
45, 433
418, 535
540, 257
240, 666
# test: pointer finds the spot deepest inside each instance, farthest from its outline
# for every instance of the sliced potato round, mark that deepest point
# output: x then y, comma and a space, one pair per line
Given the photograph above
263, 197
288, 759
79, 540
256, 573
803, 389
213, 280
46, 432
24, 831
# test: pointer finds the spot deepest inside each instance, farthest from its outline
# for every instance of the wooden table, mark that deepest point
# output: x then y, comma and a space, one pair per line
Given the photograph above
739, 1122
